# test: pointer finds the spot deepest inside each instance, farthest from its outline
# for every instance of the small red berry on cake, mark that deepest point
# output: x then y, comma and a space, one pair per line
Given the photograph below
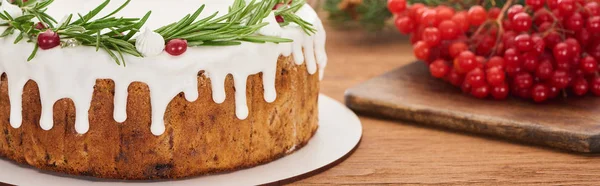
279, 18
40, 26
176, 47
48, 40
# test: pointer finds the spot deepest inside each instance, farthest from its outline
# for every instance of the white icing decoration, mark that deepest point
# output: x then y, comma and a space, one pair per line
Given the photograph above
273, 28
150, 43
13, 10
72, 72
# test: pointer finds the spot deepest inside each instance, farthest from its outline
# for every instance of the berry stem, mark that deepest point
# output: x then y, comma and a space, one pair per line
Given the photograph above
480, 29
501, 16
554, 25
500, 26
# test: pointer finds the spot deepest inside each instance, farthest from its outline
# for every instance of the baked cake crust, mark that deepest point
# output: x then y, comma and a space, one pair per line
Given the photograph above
201, 137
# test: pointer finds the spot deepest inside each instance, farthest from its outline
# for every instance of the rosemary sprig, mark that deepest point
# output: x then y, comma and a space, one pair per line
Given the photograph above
23, 25
114, 35
38, 9
88, 31
240, 24
289, 16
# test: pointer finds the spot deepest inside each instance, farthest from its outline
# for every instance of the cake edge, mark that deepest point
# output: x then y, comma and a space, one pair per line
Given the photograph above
92, 175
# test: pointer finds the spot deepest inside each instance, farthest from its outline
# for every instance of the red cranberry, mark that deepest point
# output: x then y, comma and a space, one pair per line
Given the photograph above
279, 18
176, 47
48, 40
40, 26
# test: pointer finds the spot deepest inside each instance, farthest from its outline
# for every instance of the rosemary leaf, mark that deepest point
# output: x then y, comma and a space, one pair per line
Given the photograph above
28, 3
111, 54
98, 41
32, 55
121, 43
191, 27
221, 43
267, 39
10, 18
75, 28
163, 28
7, 32
92, 13
24, 18
66, 23
137, 26
195, 43
215, 37
101, 26
192, 18
2, 16
44, 4
253, 41
226, 16
19, 3
215, 26
117, 10
132, 52
120, 31
256, 19
52, 20
19, 38
196, 34
173, 28
120, 53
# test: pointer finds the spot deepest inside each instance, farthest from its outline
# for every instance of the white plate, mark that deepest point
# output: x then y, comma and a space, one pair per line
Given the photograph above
339, 132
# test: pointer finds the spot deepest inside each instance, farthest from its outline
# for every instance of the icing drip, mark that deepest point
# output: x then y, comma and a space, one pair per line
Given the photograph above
241, 107
72, 72
120, 102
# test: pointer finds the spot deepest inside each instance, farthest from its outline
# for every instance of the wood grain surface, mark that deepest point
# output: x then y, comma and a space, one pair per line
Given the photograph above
410, 93
399, 152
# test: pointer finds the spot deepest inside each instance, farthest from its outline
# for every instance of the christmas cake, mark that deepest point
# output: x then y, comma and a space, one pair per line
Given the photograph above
155, 89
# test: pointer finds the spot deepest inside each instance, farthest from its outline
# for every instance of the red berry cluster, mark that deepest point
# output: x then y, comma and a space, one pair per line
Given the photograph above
532, 51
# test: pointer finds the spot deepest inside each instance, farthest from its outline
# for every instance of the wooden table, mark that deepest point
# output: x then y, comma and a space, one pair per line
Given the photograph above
396, 152
393, 152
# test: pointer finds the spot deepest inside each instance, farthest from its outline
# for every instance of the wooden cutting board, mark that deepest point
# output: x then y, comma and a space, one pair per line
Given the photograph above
410, 93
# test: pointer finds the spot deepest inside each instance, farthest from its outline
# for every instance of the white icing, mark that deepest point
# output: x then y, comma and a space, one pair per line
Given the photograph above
72, 72
273, 28
13, 10
150, 43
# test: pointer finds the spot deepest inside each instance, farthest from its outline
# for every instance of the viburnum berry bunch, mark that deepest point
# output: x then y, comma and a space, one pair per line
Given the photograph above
538, 50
